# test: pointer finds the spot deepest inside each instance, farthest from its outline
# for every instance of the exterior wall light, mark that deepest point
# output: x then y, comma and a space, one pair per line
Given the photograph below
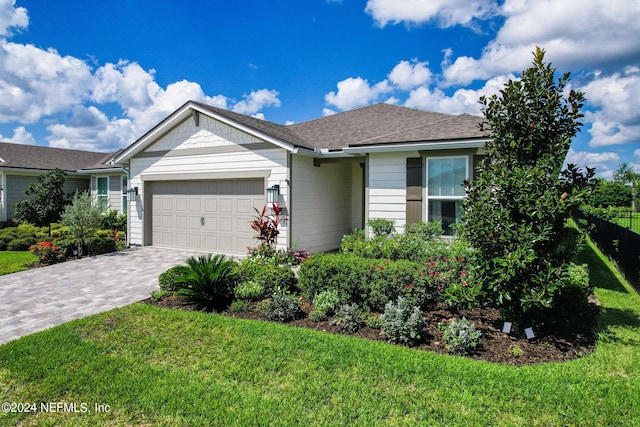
132, 193
273, 194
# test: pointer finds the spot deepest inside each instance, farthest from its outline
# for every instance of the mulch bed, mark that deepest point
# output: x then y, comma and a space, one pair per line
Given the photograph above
556, 340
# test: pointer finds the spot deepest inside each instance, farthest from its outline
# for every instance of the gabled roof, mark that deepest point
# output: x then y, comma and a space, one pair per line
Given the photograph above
20, 156
378, 124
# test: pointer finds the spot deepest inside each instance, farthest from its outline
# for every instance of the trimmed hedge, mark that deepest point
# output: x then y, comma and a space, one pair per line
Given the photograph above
367, 282
271, 276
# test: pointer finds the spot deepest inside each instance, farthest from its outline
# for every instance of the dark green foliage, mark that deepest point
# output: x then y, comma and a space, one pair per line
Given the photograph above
460, 336
48, 200
402, 322
239, 306
517, 206
381, 227
610, 194
99, 245
209, 282
269, 275
112, 220
21, 244
347, 318
282, 307
625, 175
370, 283
168, 280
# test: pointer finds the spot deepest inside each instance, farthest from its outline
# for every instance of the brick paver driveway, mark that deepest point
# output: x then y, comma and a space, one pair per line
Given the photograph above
38, 299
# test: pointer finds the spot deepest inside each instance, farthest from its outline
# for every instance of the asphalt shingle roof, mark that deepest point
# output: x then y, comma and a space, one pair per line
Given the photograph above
38, 157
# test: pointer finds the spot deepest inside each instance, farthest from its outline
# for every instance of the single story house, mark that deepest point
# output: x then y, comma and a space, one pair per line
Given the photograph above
20, 165
196, 177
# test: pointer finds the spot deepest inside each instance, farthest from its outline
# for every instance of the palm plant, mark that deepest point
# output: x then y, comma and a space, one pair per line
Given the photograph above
209, 281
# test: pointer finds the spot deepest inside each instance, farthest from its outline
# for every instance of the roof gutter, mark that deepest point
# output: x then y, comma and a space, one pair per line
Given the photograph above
423, 146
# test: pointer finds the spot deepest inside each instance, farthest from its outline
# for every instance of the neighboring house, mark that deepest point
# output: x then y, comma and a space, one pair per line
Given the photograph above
20, 165
199, 173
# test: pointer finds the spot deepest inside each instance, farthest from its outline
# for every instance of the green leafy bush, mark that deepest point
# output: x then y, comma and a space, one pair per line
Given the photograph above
347, 318
239, 306
316, 315
351, 240
99, 245
382, 227
169, 280
266, 273
575, 290
250, 290
402, 323
326, 301
460, 336
209, 282
21, 244
282, 307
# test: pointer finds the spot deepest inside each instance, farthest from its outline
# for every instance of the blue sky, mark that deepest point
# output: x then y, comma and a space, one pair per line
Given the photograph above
97, 75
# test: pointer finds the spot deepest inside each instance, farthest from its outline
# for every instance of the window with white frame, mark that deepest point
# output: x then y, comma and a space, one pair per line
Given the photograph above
124, 204
102, 191
445, 191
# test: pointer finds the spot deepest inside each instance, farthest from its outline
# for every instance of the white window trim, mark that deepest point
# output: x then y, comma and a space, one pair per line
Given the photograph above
98, 195
426, 195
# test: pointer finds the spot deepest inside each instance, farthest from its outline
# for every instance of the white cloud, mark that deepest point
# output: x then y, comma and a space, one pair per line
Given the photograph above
20, 136
446, 13
328, 112
598, 33
407, 75
256, 101
605, 163
356, 92
12, 17
616, 99
462, 101
36, 83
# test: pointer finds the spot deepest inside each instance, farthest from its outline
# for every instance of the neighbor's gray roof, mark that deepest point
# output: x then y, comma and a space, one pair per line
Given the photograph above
22, 156
371, 125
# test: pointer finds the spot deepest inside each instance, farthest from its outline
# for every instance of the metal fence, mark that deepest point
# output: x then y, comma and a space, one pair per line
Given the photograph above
630, 220
619, 243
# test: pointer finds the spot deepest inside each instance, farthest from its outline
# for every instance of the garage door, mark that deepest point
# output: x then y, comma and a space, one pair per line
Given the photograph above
212, 216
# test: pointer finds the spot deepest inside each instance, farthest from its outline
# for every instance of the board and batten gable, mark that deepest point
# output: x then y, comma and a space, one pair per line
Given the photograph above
209, 150
326, 202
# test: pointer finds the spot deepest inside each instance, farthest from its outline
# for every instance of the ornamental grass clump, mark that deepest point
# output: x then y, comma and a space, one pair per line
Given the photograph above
403, 323
460, 336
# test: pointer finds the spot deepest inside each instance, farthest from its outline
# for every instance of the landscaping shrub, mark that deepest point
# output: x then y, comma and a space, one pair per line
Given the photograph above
381, 227
250, 290
347, 318
112, 220
460, 336
269, 254
326, 301
209, 282
402, 322
239, 306
48, 252
266, 273
316, 315
282, 307
168, 280
371, 283
575, 290
99, 245
22, 244
349, 241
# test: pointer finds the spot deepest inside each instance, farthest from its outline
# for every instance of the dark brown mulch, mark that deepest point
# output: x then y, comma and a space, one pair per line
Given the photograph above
555, 340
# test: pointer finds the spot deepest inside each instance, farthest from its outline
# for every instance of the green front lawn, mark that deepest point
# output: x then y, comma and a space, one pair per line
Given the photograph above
11, 262
632, 223
155, 366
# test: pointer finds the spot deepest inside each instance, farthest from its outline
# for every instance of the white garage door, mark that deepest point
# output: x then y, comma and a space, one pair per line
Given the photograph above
212, 216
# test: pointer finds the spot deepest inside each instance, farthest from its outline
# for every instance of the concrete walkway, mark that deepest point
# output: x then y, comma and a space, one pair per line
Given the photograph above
40, 298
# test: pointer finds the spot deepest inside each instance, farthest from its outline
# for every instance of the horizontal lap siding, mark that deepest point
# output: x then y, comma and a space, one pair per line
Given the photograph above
388, 187
322, 211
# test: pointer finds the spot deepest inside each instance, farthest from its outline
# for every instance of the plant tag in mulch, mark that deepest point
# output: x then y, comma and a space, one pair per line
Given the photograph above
506, 328
529, 333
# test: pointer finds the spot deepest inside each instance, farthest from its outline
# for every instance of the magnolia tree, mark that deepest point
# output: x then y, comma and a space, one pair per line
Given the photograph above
518, 203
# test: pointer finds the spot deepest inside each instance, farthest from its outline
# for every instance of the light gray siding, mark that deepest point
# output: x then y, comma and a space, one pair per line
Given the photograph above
326, 204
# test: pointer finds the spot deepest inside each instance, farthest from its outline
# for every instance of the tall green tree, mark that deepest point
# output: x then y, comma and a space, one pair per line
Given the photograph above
48, 201
517, 205
82, 217
625, 175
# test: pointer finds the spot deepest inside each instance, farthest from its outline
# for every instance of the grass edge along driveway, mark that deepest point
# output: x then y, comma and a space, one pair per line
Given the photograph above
151, 366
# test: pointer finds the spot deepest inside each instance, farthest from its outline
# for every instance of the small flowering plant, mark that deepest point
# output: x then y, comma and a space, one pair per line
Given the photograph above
48, 252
